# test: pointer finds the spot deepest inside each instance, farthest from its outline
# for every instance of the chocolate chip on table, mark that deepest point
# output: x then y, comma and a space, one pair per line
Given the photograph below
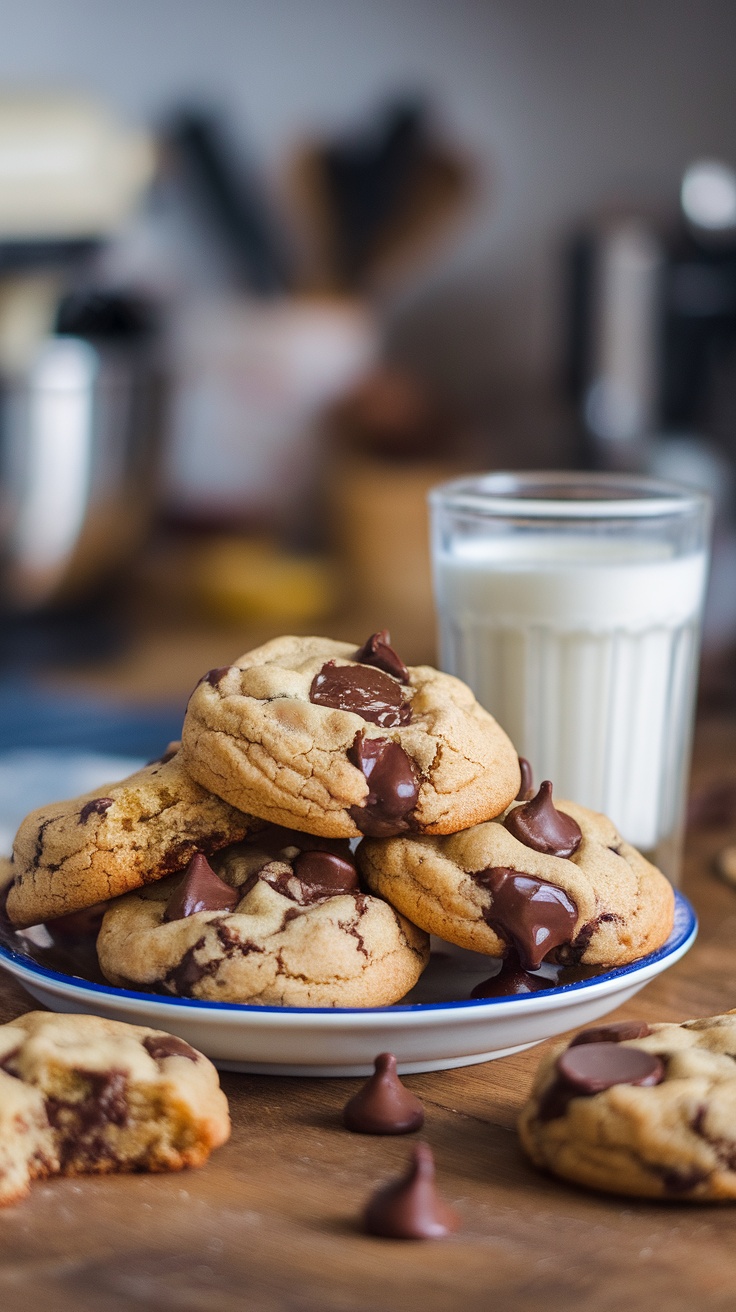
534, 915
410, 1207
377, 650
98, 806
365, 691
617, 1032
326, 875
159, 1046
392, 783
383, 1105
589, 1068
200, 890
538, 824
526, 790
511, 981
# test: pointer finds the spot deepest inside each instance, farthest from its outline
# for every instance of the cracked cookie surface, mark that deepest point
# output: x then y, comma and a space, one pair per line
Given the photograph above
673, 1138
70, 855
486, 890
255, 734
81, 1094
290, 940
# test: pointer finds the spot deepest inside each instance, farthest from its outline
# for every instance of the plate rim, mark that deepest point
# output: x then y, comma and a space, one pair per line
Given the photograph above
684, 932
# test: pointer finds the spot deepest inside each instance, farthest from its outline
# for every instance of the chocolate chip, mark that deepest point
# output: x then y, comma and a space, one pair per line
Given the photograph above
540, 825
365, 691
377, 650
526, 790
411, 1208
534, 915
215, 677
200, 890
383, 1105
326, 875
98, 806
511, 981
617, 1032
160, 1046
683, 1181
392, 784
587, 1069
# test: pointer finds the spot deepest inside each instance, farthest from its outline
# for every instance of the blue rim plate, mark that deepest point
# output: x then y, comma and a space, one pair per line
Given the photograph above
683, 935
339, 1041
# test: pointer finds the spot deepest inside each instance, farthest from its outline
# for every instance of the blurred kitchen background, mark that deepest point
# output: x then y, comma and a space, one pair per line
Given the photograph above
269, 269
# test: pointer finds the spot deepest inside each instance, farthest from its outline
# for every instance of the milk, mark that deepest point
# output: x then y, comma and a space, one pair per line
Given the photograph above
586, 652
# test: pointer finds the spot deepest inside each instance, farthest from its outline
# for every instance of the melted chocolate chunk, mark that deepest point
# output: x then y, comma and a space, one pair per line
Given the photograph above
325, 875
526, 790
411, 1208
392, 783
587, 1069
215, 677
540, 825
104, 1104
365, 691
511, 981
617, 1032
160, 1046
200, 890
533, 915
98, 806
377, 650
383, 1105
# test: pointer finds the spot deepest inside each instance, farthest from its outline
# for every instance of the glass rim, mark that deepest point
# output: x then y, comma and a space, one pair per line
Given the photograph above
621, 496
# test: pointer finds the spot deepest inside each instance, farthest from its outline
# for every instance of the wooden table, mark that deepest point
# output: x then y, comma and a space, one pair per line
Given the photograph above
272, 1222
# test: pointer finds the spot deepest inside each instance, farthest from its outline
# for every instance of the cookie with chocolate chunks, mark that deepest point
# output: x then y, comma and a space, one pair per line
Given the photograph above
488, 889
82, 1094
71, 855
651, 1116
338, 741
278, 920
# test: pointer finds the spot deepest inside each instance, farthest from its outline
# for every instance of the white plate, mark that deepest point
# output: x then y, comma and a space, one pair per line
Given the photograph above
425, 1035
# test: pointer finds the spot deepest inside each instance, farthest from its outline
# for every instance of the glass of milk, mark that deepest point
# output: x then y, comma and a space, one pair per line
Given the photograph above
572, 603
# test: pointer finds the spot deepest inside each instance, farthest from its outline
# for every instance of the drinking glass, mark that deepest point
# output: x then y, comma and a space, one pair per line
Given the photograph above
572, 605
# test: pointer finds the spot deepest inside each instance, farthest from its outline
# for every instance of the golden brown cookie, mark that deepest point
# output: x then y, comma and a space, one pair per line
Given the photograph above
70, 855
314, 734
277, 922
643, 1110
83, 1094
488, 887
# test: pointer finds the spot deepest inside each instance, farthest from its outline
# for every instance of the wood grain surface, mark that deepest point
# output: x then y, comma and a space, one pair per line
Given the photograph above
273, 1221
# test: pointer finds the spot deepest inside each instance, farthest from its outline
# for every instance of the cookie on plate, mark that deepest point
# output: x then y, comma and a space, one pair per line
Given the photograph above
281, 921
339, 742
554, 881
70, 855
643, 1110
82, 1094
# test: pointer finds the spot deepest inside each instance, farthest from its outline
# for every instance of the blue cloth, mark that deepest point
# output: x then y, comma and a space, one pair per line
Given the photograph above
33, 716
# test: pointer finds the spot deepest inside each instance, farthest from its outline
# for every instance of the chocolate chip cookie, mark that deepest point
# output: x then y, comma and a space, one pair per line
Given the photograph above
279, 921
81, 1094
341, 742
639, 1109
552, 881
70, 855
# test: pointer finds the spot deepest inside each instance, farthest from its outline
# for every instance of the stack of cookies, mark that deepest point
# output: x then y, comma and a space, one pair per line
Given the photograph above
326, 810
